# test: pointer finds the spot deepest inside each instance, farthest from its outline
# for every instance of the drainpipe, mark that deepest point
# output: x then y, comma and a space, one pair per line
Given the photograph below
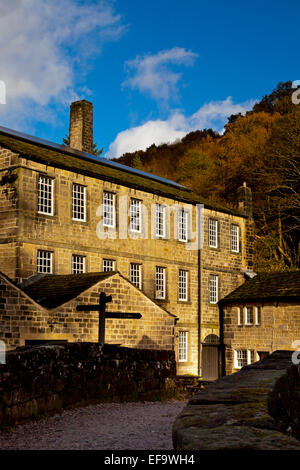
222, 346
199, 208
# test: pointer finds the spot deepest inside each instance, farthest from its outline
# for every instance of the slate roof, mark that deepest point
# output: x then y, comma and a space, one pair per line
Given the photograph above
63, 157
52, 290
274, 286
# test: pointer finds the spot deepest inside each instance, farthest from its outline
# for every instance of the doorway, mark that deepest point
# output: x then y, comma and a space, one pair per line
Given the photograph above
210, 358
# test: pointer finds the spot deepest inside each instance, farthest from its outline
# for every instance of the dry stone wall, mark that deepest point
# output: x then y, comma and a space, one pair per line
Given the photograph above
42, 380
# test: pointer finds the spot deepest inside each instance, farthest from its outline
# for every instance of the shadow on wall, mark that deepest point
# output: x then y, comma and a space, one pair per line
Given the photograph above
147, 343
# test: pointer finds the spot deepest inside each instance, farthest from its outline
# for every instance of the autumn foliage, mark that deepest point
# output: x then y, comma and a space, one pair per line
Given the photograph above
261, 148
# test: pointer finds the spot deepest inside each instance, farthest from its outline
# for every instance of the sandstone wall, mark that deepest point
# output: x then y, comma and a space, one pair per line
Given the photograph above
46, 379
23, 319
278, 329
64, 237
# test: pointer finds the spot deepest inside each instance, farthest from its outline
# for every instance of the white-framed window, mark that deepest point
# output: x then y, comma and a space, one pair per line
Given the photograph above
240, 316
213, 233
257, 315
108, 265
44, 261
78, 264
249, 317
160, 220
109, 209
79, 202
136, 274
241, 358
183, 346
45, 195
135, 215
183, 285
213, 289
234, 238
183, 218
160, 282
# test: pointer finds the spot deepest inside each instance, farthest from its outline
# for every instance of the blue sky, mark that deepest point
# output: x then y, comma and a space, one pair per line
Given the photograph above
154, 70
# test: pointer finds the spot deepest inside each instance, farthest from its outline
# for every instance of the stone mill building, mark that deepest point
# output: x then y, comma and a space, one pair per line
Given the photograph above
74, 225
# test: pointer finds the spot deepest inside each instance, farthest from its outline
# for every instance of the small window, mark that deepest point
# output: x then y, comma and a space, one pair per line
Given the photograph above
257, 315
160, 220
78, 264
79, 202
183, 285
240, 316
234, 238
136, 274
249, 316
251, 356
182, 226
109, 211
213, 289
45, 195
108, 265
160, 283
135, 215
213, 233
183, 346
241, 358
44, 262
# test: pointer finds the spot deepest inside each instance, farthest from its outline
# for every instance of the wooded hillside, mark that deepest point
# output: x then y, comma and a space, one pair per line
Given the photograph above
261, 148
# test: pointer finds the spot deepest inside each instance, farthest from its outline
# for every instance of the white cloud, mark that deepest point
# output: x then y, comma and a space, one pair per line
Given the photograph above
213, 114
41, 44
152, 74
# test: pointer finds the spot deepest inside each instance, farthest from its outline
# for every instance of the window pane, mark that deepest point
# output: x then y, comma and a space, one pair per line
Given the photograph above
182, 346
135, 215
45, 195
213, 289
234, 238
44, 261
213, 233
160, 283
108, 209
241, 357
135, 275
108, 265
183, 285
249, 315
182, 225
78, 264
78, 202
160, 220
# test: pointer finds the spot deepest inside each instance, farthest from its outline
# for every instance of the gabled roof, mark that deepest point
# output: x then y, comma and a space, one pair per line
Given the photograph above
52, 290
273, 286
63, 157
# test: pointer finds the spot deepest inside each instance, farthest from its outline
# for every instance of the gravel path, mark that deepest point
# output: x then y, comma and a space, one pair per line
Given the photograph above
105, 426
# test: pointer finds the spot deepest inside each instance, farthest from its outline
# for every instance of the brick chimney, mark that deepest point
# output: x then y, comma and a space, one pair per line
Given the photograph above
244, 199
81, 126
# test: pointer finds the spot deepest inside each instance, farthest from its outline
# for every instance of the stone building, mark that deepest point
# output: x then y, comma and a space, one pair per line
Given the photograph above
66, 212
260, 317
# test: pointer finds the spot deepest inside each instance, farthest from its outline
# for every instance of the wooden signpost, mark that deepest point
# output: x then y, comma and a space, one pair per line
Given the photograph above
101, 308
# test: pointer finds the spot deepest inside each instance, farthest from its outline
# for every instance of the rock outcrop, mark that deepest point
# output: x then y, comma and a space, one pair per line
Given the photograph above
257, 408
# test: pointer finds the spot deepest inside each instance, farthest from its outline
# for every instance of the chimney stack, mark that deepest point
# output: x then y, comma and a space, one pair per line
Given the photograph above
244, 198
81, 126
